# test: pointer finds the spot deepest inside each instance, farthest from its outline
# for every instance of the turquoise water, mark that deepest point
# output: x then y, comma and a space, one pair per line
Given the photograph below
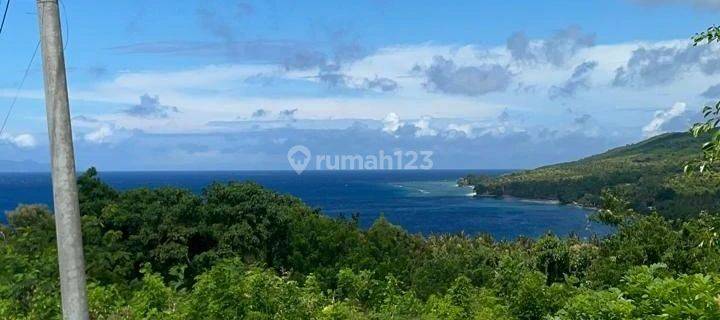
424, 202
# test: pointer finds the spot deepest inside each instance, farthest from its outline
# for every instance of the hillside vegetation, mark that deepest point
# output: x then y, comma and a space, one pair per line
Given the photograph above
240, 251
648, 174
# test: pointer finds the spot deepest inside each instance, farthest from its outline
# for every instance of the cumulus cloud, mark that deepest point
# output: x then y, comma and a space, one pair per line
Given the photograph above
423, 128
427, 127
661, 118
664, 64
100, 135
556, 50
463, 72
267, 149
578, 80
150, 107
391, 123
96, 132
23, 141
455, 130
445, 77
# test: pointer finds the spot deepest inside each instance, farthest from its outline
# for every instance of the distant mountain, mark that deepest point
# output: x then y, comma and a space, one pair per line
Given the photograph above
23, 166
648, 174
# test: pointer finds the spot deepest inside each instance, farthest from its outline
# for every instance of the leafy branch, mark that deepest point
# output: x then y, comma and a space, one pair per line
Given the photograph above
712, 34
711, 148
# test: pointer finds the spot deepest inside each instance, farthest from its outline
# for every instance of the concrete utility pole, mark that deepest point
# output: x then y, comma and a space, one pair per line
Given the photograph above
65, 194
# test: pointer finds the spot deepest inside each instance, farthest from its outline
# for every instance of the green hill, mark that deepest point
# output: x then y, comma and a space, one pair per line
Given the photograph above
648, 174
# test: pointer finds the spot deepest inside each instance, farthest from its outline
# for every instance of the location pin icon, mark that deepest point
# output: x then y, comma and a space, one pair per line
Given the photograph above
299, 157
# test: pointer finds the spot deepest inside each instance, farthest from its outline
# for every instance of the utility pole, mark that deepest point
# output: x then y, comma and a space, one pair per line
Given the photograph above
65, 193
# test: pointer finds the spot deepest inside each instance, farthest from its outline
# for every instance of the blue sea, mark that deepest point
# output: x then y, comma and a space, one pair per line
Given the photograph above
423, 201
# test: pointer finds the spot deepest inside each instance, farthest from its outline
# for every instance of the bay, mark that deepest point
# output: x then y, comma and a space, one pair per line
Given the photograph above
422, 201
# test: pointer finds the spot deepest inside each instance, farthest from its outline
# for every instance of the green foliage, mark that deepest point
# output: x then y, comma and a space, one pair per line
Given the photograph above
685, 297
597, 305
712, 34
464, 301
614, 210
648, 175
446, 258
711, 148
711, 113
29, 282
239, 251
232, 291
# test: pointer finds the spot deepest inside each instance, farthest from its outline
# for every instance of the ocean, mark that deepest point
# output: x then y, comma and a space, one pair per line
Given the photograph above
423, 201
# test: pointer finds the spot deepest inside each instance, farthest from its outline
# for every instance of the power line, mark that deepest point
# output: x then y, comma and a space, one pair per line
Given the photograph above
32, 59
2, 24
17, 92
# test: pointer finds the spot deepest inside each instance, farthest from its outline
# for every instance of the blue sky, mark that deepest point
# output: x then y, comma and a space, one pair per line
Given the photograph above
483, 84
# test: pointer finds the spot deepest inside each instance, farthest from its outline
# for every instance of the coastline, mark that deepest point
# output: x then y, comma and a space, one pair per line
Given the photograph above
472, 193
544, 201
463, 183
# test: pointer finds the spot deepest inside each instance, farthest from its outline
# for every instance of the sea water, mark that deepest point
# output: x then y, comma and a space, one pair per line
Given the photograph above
422, 201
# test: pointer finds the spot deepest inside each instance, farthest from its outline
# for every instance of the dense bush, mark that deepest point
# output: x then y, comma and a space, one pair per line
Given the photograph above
648, 174
239, 251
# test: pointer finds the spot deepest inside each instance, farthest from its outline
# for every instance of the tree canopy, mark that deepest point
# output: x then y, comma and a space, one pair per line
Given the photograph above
238, 250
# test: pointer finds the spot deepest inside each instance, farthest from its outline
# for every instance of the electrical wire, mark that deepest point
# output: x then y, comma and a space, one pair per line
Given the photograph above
30, 63
2, 24
17, 92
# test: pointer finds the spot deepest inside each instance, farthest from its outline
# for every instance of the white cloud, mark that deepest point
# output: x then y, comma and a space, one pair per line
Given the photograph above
661, 117
391, 123
466, 129
97, 131
423, 128
216, 93
23, 141
100, 135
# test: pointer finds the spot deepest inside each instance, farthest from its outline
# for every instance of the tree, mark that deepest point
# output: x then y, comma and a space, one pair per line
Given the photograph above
711, 148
